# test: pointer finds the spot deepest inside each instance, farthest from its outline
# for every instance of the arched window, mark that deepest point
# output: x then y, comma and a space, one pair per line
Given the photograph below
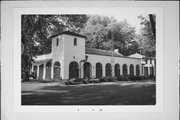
73, 70
131, 68
137, 70
117, 70
87, 70
124, 69
108, 69
57, 71
48, 70
98, 70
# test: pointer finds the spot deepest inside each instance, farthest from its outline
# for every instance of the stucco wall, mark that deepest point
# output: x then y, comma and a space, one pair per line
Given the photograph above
93, 59
72, 53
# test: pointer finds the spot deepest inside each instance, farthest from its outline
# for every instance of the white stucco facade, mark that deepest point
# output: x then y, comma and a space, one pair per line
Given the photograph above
69, 58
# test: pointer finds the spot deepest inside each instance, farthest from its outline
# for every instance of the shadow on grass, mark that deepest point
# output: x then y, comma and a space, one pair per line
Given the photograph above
114, 94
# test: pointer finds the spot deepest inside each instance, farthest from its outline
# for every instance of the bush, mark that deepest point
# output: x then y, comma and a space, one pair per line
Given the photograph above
123, 78
107, 79
129, 77
151, 76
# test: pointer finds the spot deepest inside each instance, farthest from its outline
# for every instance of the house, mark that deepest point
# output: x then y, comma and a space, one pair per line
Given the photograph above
147, 64
71, 59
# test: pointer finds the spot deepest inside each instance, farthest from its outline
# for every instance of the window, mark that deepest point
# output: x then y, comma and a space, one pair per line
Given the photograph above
150, 61
146, 61
75, 41
57, 42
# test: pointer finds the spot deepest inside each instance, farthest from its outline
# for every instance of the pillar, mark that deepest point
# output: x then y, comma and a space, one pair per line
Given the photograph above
113, 72
128, 70
37, 71
44, 71
52, 70
103, 70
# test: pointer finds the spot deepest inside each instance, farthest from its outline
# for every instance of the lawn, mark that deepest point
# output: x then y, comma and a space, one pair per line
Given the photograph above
109, 93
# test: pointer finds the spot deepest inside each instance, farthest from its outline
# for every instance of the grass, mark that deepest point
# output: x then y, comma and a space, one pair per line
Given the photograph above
109, 93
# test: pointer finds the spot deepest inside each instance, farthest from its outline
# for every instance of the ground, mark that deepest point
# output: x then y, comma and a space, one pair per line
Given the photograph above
109, 93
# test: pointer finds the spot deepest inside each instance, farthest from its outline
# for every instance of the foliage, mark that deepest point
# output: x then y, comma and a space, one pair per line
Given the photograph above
36, 32
107, 33
107, 79
147, 38
129, 78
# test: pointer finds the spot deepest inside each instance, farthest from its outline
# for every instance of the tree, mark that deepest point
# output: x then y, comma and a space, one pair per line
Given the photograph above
100, 30
36, 32
147, 37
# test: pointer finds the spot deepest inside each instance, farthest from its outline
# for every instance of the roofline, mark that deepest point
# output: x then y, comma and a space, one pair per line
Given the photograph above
69, 33
116, 56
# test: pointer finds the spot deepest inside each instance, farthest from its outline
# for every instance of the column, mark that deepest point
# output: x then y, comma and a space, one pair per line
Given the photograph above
128, 70
113, 70
93, 71
52, 70
44, 71
37, 71
121, 69
103, 70
82, 70
32, 69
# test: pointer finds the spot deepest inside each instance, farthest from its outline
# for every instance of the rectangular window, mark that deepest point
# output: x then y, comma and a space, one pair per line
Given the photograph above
57, 42
146, 61
75, 41
150, 61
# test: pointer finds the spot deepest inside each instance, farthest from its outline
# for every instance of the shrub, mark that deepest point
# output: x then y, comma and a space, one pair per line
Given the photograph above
129, 77
107, 79
151, 76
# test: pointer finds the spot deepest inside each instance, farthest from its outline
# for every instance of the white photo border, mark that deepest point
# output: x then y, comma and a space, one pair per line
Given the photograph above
17, 107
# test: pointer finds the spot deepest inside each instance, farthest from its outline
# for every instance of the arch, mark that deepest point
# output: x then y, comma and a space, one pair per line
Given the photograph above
108, 69
137, 70
117, 70
48, 70
41, 69
73, 70
87, 70
131, 69
98, 70
57, 71
35, 70
124, 69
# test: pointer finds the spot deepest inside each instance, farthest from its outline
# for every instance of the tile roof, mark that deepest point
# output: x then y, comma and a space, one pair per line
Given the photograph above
102, 52
69, 33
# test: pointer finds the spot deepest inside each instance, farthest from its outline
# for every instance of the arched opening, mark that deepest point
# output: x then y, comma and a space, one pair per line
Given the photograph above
151, 70
117, 70
146, 71
124, 69
137, 70
57, 71
35, 71
41, 69
73, 70
108, 69
98, 70
87, 70
131, 67
48, 71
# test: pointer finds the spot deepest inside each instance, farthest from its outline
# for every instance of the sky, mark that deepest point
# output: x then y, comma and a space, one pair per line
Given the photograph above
120, 13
